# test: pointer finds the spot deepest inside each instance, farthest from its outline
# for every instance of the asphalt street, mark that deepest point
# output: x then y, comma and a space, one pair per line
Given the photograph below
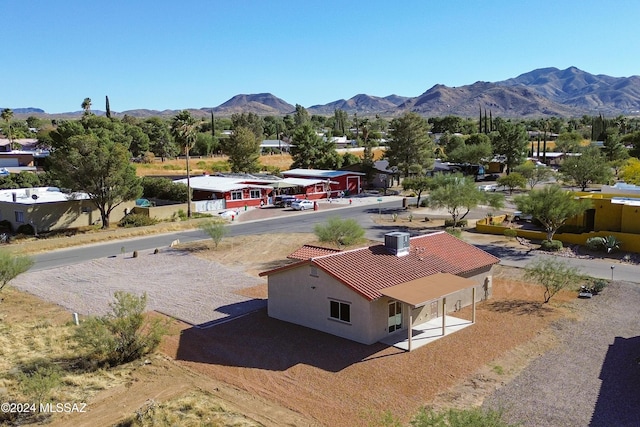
289, 222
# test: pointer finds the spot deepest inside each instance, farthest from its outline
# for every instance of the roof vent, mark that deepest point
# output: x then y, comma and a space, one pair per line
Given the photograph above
397, 243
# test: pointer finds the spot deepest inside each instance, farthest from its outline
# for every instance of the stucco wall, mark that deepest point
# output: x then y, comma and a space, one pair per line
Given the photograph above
59, 215
298, 297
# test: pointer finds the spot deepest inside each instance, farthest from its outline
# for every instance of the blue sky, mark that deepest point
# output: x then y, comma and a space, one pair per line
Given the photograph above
159, 54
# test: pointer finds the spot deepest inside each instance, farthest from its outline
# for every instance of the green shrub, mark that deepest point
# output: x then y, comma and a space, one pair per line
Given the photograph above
460, 223
136, 220
551, 245
37, 382
424, 203
124, 334
26, 229
455, 232
608, 244
5, 226
164, 189
510, 232
598, 285
341, 232
214, 229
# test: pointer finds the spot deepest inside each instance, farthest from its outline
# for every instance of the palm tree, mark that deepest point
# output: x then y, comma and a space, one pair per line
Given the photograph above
86, 105
7, 116
183, 129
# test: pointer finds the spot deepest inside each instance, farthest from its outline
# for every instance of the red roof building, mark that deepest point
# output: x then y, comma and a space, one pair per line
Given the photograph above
350, 293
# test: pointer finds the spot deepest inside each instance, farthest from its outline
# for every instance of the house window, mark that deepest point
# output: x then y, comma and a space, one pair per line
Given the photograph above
236, 195
340, 311
255, 194
19, 216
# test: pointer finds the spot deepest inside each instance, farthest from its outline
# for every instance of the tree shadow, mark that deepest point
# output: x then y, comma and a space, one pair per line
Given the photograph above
520, 307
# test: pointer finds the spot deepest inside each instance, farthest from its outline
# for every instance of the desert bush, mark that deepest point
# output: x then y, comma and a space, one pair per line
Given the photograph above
341, 232
214, 229
148, 157
136, 220
26, 229
12, 265
123, 335
449, 223
510, 233
552, 274
424, 203
459, 418
598, 285
37, 381
551, 245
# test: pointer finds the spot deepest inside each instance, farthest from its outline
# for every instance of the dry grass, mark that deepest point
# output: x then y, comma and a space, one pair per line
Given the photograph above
198, 166
76, 237
33, 332
190, 410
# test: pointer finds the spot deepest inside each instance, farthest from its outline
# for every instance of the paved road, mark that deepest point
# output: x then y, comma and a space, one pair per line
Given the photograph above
286, 221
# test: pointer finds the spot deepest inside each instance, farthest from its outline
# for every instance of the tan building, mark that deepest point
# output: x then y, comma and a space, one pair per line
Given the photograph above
366, 294
47, 209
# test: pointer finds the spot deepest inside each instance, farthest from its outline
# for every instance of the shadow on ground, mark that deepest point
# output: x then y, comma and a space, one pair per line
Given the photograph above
619, 398
258, 341
520, 307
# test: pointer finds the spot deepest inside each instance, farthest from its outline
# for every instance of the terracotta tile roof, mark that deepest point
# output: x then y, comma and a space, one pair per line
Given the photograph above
368, 270
310, 251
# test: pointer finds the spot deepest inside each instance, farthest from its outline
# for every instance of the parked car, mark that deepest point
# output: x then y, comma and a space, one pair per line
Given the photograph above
488, 187
283, 200
230, 214
519, 216
300, 205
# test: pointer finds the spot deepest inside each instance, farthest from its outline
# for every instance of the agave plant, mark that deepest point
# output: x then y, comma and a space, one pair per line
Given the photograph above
609, 243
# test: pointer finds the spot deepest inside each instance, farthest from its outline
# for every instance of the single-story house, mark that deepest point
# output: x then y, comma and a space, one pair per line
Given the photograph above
27, 158
230, 191
48, 209
337, 182
227, 192
383, 176
367, 294
550, 158
275, 144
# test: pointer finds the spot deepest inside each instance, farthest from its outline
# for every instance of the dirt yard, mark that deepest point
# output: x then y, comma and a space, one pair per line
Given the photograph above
276, 373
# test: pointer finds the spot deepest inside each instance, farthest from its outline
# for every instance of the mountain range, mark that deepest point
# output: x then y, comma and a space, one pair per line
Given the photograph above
539, 93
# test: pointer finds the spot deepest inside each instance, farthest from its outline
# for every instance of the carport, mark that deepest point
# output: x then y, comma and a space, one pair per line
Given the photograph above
420, 292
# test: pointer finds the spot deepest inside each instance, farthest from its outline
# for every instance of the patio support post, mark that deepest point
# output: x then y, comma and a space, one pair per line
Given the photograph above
410, 328
473, 305
444, 316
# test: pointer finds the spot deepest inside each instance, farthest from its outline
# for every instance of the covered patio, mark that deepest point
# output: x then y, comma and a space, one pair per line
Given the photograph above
420, 292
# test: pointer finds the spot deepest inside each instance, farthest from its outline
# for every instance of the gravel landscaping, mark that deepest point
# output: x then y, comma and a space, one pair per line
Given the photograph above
592, 378
178, 284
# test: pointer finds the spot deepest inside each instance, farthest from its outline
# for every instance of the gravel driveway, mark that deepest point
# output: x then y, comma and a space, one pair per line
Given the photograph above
592, 378
178, 284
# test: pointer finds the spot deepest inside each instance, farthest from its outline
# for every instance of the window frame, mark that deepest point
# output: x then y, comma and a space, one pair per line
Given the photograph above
234, 195
343, 313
